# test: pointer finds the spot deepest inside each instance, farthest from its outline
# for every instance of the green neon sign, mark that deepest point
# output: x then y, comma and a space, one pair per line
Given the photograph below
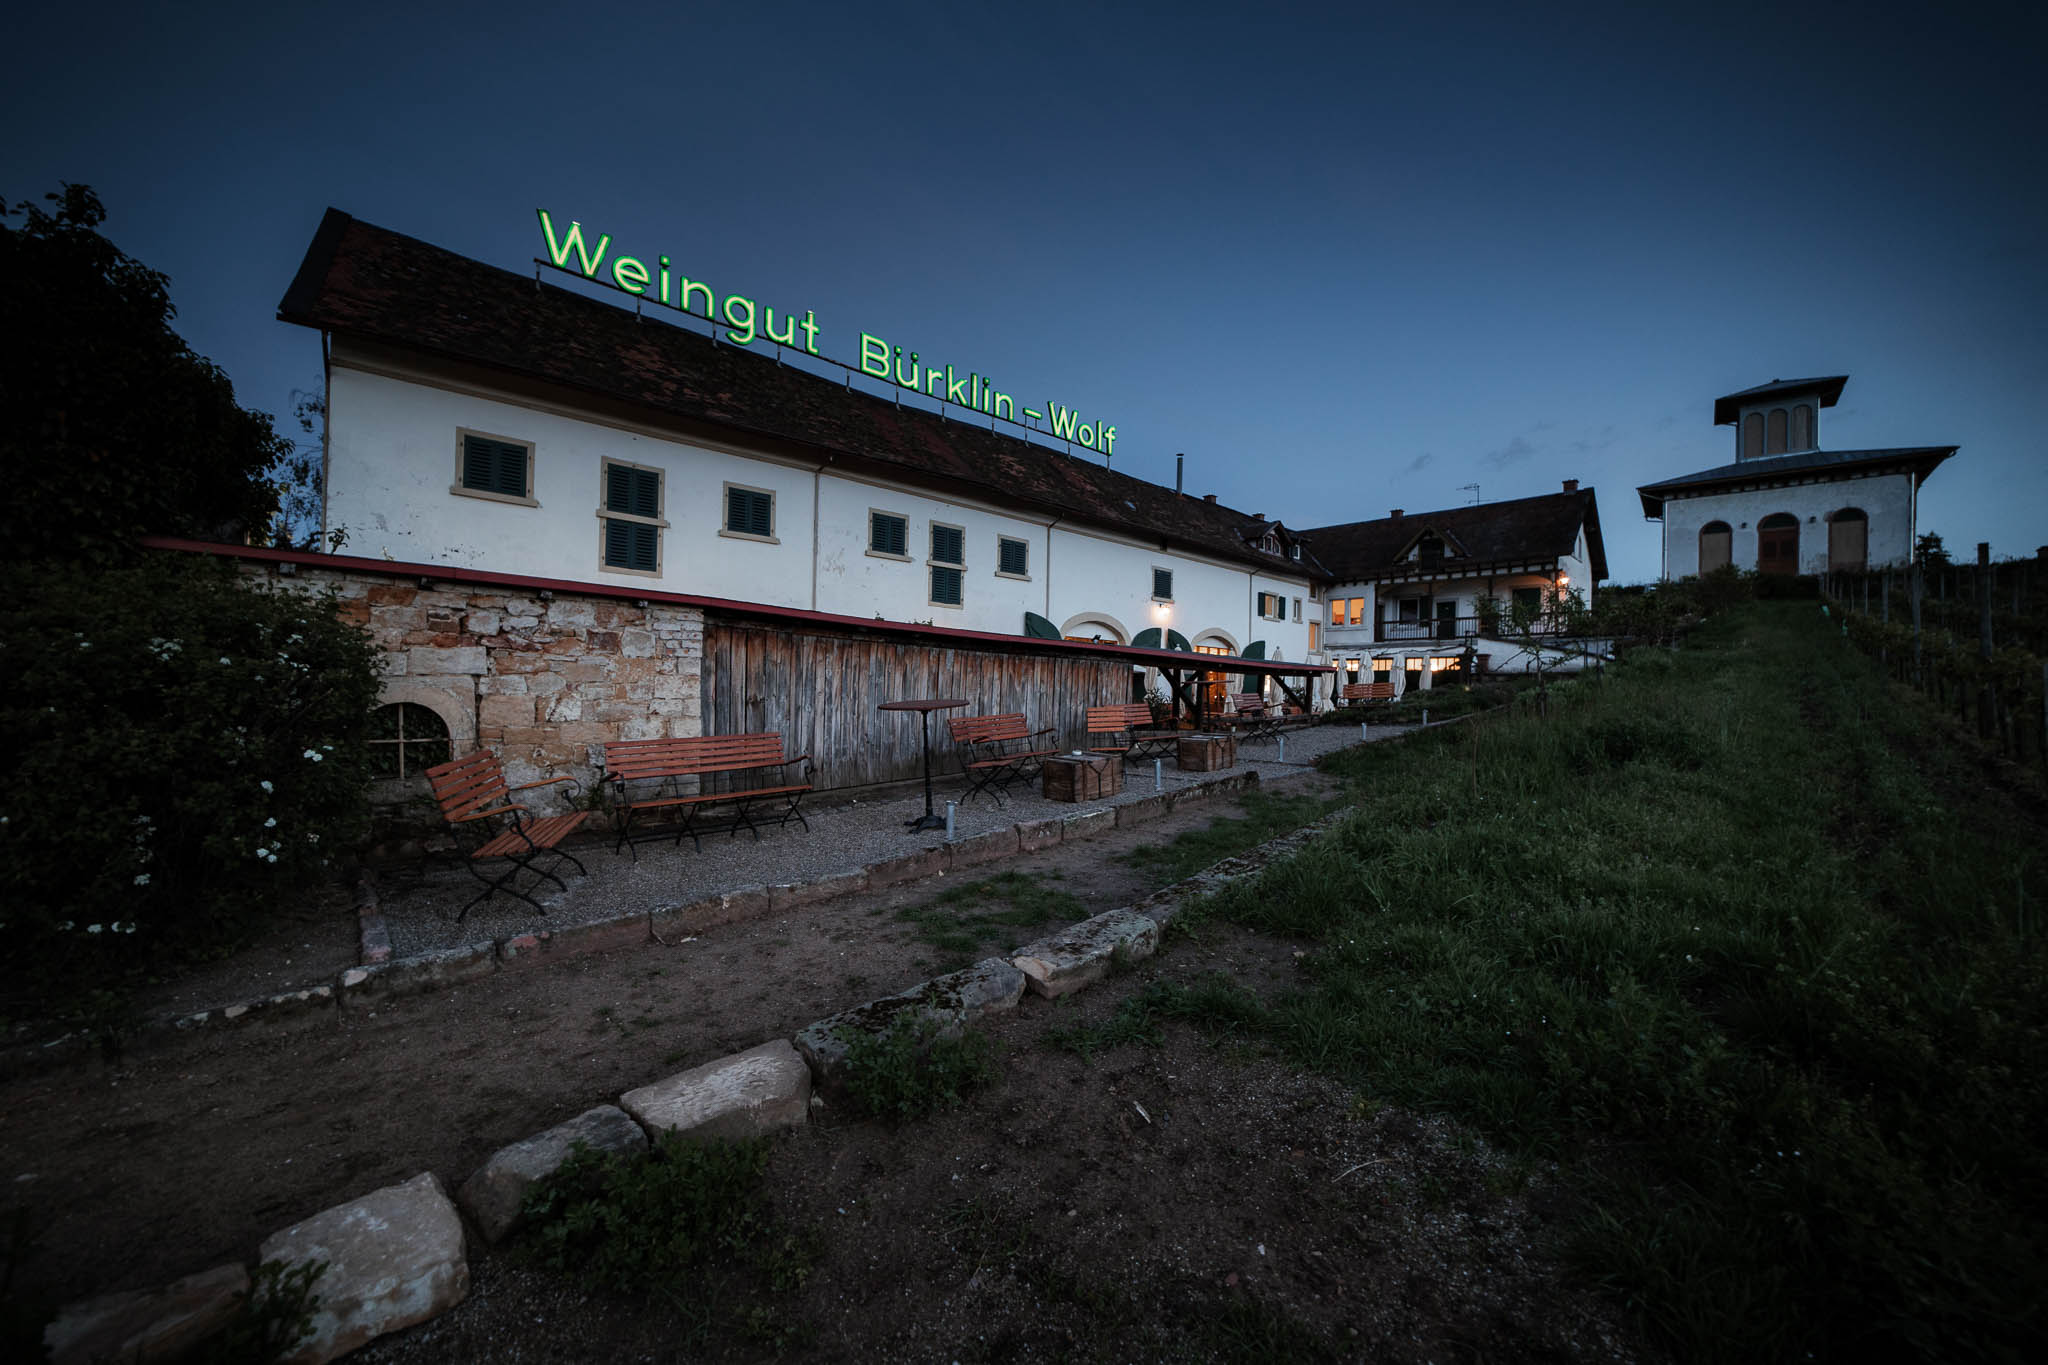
743, 322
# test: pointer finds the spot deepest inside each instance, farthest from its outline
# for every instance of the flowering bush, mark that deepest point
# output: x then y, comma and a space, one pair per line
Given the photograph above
182, 749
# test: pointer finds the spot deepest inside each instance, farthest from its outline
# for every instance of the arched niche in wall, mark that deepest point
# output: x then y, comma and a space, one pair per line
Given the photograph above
1090, 625
1752, 436
1717, 550
1848, 540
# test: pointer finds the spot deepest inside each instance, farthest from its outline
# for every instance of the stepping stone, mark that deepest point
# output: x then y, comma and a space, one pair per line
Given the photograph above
1078, 956
748, 1094
394, 1258
144, 1326
951, 1002
493, 1195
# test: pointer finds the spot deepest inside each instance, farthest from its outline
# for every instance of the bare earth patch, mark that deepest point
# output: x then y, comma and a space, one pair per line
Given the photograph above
1199, 1199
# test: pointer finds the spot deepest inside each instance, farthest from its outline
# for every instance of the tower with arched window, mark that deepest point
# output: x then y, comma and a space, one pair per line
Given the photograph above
1784, 505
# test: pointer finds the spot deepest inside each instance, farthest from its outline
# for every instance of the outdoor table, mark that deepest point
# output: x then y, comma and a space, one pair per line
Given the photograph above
924, 711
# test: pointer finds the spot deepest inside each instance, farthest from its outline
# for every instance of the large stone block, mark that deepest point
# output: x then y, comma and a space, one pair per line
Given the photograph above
748, 1094
1065, 962
144, 1326
508, 711
493, 1195
949, 1003
976, 849
393, 1258
465, 659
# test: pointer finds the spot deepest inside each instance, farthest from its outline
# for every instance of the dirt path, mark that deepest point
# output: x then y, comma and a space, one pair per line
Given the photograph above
1162, 1202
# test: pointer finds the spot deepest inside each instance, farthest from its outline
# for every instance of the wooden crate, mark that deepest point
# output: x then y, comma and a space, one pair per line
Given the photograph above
1089, 777
1207, 753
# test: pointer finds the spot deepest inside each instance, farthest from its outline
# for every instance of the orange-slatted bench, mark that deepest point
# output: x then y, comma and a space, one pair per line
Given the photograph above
490, 825
646, 775
1129, 729
996, 751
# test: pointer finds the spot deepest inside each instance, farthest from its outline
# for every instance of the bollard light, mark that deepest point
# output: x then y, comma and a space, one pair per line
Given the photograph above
1361, 730
951, 806
1283, 748
1425, 715
1158, 781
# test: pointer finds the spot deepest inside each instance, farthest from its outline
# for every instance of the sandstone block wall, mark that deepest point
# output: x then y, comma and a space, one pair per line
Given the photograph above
544, 683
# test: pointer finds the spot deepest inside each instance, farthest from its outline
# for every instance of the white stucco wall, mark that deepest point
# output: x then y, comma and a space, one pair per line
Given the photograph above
393, 461
1886, 499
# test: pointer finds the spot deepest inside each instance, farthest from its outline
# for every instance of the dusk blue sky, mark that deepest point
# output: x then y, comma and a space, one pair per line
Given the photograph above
1347, 258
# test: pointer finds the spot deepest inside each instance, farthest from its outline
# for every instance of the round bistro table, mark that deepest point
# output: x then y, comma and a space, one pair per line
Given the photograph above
924, 711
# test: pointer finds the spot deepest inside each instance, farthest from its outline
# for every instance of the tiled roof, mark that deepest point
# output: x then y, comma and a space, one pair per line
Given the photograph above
1515, 531
1921, 460
367, 282
1728, 407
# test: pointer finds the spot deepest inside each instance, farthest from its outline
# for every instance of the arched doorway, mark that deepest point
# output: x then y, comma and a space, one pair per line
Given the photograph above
1716, 546
1777, 544
1848, 541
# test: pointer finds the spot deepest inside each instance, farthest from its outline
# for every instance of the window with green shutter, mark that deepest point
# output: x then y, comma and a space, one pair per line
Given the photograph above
632, 518
1162, 584
749, 511
949, 545
947, 586
948, 565
888, 534
1013, 556
496, 467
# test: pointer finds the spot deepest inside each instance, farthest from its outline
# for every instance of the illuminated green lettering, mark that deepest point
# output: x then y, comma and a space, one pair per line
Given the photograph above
932, 380
911, 382
629, 275
1086, 436
558, 252
737, 326
1062, 421
685, 288
1108, 440
664, 279
788, 339
810, 326
874, 352
956, 389
1003, 407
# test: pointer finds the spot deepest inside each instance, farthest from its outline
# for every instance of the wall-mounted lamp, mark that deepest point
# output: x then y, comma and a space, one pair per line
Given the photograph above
287, 569
546, 594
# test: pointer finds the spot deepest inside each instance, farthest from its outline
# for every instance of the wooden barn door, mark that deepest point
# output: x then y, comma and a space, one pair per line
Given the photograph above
1777, 544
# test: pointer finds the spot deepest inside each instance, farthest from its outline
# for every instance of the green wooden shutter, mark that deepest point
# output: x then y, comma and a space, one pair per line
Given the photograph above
1147, 639
490, 466
1012, 556
949, 545
749, 511
888, 535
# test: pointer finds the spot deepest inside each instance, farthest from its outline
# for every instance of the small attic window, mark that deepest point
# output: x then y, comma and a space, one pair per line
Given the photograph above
1294, 551
1429, 550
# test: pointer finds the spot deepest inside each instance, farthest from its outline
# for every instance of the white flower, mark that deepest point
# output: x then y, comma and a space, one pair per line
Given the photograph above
95, 928
312, 838
265, 784
313, 754
271, 823
65, 925
142, 879
224, 658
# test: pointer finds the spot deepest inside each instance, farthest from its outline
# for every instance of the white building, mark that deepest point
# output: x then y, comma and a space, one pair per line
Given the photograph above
1412, 592
483, 423
1784, 505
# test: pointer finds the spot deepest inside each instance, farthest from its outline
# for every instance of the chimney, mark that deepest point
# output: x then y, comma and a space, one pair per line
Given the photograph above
1209, 497
1571, 485
1397, 514
1179, 462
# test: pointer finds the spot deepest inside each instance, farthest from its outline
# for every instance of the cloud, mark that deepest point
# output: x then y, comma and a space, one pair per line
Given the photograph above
1415, 465
1514, 452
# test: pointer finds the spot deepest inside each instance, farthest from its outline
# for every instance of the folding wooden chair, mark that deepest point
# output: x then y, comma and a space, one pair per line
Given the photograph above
490, 825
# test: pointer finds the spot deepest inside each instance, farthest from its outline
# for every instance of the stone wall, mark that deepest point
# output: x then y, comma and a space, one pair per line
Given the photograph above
542, 680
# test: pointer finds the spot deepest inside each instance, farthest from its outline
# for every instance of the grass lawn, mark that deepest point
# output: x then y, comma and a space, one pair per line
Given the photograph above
1746, 942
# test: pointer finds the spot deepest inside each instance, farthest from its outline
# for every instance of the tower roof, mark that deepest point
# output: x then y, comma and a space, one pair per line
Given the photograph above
1828, 388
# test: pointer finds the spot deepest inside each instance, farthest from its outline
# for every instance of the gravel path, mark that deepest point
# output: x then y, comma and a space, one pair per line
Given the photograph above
842, 838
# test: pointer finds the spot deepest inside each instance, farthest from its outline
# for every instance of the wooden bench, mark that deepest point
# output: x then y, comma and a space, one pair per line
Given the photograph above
1252, 718
645, 775
1356, 692
1132, 724
996, 751
490, 825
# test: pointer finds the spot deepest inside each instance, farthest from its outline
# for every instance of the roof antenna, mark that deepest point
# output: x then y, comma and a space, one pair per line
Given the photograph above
1473, 488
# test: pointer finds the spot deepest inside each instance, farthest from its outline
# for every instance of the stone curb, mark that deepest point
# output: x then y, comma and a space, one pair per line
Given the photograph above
379, 975
952, 1000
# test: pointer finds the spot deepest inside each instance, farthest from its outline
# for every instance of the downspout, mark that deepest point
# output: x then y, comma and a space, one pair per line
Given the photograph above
326, 427
817, 480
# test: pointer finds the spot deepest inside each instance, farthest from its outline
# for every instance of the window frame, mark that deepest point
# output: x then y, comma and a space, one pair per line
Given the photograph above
606, 513
399, 741
906, 557
933, 564
725, 513
462, 490
1278, 602
1022, 544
